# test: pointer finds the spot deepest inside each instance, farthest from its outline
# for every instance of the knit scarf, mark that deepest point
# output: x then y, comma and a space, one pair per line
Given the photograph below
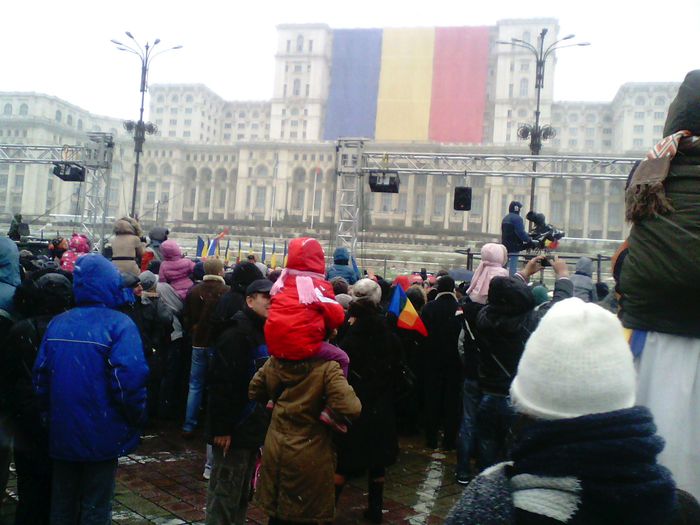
610, 456
645, 196
304, 282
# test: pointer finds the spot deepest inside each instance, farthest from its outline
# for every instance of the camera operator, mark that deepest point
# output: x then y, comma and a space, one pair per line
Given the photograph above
513, 235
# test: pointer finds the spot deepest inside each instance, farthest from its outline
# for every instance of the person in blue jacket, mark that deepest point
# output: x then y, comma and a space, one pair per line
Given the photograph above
90, 380
9, 273
513, 235
342, 267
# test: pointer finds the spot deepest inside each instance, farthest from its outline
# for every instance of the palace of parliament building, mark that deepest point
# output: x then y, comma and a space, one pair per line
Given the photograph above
432, 90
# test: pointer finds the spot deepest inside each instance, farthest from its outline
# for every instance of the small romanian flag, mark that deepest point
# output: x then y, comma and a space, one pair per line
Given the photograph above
406, 314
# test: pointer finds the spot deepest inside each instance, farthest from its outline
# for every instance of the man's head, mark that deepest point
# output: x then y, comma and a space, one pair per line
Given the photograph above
257, 297
340, 285
213, 266
251, 257
445, 284
515, 207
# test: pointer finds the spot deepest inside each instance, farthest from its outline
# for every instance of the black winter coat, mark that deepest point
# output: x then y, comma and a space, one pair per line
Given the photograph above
503, 327
16, 391
444, 326
154, 321
374, 351
236, 359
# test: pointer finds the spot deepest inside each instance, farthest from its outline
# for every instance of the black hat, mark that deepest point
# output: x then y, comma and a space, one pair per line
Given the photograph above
445, 284
245, 273
259, 286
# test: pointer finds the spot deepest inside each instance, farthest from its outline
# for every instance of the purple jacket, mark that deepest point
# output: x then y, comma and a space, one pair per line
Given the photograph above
175, 270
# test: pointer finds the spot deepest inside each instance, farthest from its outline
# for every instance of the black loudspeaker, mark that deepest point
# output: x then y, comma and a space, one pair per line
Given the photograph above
384, 181
463, 198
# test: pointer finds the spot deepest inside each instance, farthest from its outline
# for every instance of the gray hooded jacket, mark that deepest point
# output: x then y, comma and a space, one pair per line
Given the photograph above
583, 283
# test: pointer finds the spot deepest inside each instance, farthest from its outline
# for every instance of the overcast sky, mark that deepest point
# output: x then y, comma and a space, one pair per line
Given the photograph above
63, 48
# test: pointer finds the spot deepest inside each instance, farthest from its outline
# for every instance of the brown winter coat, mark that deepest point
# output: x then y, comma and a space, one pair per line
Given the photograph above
200, 304
299, 460
127, 243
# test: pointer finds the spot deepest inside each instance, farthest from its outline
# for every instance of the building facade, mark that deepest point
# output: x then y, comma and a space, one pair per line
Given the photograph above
218, 162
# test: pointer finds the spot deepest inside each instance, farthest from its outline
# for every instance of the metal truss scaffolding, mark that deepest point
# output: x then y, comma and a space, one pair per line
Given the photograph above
353, 160
95, 156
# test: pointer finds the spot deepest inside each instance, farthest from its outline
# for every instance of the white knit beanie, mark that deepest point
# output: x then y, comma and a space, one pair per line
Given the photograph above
577, 362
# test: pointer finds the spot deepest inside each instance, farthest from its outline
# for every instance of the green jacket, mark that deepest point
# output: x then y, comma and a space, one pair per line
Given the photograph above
659, 281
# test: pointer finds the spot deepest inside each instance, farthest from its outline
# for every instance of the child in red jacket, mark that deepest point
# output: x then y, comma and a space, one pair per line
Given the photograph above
304, 311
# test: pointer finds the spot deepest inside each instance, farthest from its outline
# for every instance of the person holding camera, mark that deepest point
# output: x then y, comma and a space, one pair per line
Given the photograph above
513, 235
503, 327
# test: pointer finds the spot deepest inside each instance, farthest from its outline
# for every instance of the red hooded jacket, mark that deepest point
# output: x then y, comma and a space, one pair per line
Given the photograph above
294, 330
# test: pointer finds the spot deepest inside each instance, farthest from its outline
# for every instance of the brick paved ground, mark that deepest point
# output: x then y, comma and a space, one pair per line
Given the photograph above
162, 484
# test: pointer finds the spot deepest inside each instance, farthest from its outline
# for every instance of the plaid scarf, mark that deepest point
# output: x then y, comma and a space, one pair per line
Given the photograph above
645, 196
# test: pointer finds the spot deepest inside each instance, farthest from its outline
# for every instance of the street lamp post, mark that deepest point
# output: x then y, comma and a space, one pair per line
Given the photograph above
140, 128
537, 133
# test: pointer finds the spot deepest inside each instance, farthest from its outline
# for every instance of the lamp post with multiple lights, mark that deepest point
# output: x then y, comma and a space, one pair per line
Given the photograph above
140, 128
537, 133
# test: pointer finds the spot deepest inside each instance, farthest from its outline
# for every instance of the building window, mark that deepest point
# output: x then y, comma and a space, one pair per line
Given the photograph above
639, 101
573, 142
439, 205
299, 200
638, 129
193, 196
300, 44
296, 89
590, 132
69, 120
59, 115
173, 122
173, 111
557, 211
639, 115
573, 131
526, 36
171, 133
576, 214
186, 134
227, 136
510, 90
607, 131
590, 144
660, 101
659, 115
658, 130
23, 109
615, 213
7, 110
161, 98
188, 122
590, 118
607, 143
248, 192
638, 143
159, 110
222, 199
573, 117
308, 89
174, 99
403, 200
311, 46
420, 204
524, 66
289, 46
260, 198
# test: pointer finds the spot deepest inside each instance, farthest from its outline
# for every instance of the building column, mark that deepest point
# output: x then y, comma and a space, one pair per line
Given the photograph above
195, 212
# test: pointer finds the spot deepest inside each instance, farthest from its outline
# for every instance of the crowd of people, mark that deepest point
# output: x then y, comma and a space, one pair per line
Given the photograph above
570, 405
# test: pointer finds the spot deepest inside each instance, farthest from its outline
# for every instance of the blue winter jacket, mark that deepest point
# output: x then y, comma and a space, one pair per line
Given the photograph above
342, 267
9, 273
513, 234
90, 375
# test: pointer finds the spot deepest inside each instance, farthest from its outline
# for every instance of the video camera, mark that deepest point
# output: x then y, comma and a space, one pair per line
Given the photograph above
544, 236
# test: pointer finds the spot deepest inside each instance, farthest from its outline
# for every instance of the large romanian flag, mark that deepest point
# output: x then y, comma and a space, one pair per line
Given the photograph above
406, 314
416, 84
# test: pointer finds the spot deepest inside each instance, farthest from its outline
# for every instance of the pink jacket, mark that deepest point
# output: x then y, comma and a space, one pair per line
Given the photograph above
175, 270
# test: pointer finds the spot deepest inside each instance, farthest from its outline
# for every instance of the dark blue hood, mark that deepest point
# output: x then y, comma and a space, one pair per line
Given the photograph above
515, 207
341, 255
97, 281
9, 262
